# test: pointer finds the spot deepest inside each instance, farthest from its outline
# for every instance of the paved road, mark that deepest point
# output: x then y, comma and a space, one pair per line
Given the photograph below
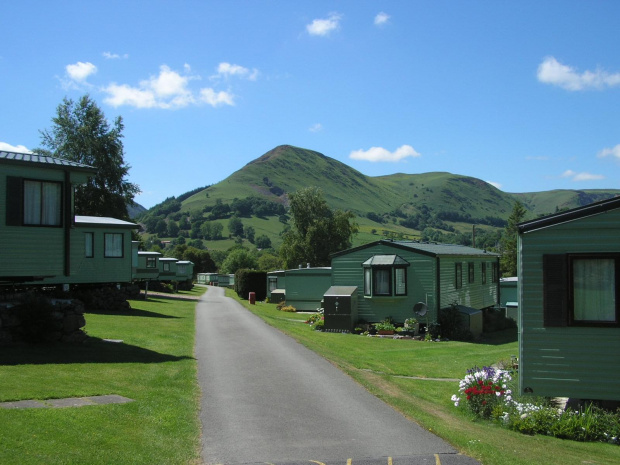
266, 398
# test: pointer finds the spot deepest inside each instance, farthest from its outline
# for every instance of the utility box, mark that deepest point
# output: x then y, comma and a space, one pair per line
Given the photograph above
340, 307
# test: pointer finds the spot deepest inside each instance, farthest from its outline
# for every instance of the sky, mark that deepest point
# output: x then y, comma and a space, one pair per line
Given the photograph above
522, 94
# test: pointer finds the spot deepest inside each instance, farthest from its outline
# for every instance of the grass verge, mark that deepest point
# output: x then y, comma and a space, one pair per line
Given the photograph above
394, 371
154, 366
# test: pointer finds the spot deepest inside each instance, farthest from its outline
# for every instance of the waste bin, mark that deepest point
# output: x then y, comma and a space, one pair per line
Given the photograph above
252, 298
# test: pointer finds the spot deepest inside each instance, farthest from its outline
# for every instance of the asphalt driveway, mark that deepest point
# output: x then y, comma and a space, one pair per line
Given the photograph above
266, 398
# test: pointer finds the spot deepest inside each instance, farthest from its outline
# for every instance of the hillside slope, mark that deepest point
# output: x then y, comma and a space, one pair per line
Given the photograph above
399, 203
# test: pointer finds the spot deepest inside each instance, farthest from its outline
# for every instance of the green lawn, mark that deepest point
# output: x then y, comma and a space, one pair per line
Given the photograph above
388, 369
154, 366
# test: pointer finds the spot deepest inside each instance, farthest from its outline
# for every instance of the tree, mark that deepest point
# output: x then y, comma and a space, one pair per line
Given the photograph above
263, 242
237, 259
317, 230
249, 233
81, 133
508, 242
235, 227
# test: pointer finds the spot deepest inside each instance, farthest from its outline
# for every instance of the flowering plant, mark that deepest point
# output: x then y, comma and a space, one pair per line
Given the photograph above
484, 389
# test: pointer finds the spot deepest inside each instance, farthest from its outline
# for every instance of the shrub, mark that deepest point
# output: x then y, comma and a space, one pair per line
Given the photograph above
288, 308
484, 390
247, 281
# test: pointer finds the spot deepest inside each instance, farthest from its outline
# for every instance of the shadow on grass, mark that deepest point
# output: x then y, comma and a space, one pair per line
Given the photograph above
497, 338
162, 297
93, 350
132, 312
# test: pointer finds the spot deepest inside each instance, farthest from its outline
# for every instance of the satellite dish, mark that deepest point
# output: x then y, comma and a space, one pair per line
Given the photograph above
420, 309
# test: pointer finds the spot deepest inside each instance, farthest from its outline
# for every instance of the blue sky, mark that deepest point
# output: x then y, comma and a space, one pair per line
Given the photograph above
522, 94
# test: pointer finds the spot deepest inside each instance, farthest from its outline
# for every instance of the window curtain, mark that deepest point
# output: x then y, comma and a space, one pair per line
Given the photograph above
88, 245
113, 245
594, 290
382, 282
32, 202
367, 281
400, 284
50, 213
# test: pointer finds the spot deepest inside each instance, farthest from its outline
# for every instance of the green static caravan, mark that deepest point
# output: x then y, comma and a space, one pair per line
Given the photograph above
185, 274
226, 280
147, 266
185, 270
509, 297
276, 285
168, 269
569, 302
392, 276
37, 216
210, 279
305, 287
101, 252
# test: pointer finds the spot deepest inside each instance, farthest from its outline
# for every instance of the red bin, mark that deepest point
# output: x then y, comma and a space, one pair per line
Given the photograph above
252, 298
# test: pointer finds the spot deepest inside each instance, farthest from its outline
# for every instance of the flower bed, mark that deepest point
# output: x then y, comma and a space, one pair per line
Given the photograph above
484, 393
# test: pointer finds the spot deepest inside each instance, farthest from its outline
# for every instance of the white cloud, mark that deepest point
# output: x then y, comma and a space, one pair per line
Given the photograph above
167, 90
551, 71
226, 69
114, 56
375, 154
581, 176
6, 147
381, 19
316, 127
614, 152
322, 27
80, 71
494, 184
216, 99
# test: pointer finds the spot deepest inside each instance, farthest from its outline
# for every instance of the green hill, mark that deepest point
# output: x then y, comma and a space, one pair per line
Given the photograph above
431, 205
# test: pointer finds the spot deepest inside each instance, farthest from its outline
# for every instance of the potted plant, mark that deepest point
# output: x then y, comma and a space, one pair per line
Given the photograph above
385, 327
412, 326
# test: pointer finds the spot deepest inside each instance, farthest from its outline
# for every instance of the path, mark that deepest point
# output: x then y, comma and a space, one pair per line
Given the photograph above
266, 398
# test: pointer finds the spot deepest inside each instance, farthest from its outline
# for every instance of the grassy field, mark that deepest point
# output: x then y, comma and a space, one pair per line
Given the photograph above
154, 366
391, 369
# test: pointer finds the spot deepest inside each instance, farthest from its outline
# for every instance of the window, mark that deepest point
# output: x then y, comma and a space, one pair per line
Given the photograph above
385, 275
151, 262
470, 273
458, 275
594, 289
113, 245
400, 281
273, 283
581, 290
89, 250
382, 282
181, 269
42, 203
166, 266
483, 272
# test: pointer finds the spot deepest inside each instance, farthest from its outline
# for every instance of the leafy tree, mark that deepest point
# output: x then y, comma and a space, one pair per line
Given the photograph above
269, 262
317, 230
203, 263
508, 242
81, 133
173, 228
237, 259
235, 227
249, 233
263, 242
